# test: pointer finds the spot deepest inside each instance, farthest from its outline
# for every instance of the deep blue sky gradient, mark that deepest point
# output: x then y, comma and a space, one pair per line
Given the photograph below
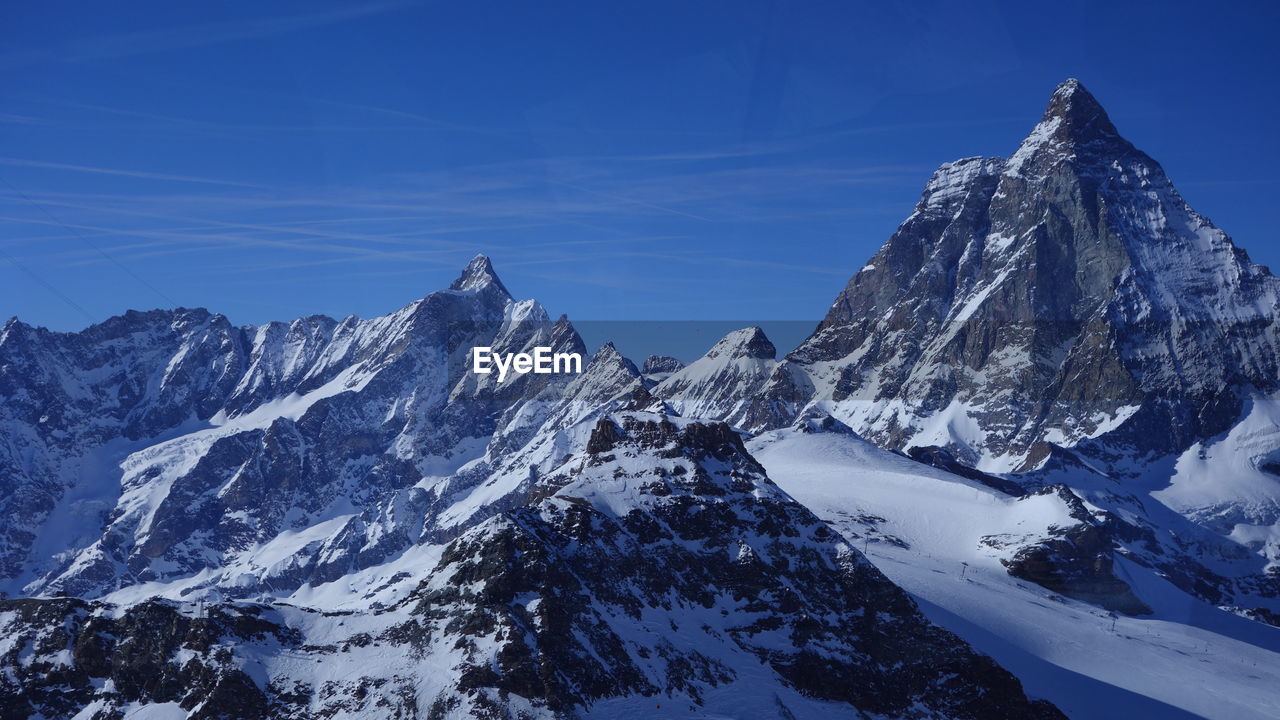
618, 161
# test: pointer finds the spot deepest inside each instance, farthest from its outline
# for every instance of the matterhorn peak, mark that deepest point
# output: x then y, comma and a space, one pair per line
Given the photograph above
1080, 244
1074, 128
478, 274
1078, 110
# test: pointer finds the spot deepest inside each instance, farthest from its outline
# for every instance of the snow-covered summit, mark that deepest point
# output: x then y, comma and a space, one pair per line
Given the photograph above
745, 343
173, 447
1071, 377
479, 274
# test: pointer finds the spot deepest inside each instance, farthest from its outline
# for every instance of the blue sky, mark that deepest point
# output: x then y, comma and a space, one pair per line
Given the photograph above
618, 161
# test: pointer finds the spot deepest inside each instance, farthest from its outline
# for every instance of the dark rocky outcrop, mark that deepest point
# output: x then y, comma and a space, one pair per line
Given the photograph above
570, 601
81, 653
661, 365
1079, 560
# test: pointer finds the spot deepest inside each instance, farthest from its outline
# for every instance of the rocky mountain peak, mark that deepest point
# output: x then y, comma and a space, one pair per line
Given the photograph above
9, 326
557, 601
745, 343
609, 354
565, 338
664, 364
723, 383
1075, 107
1074, 127
607, 373
1065, 294
478, 274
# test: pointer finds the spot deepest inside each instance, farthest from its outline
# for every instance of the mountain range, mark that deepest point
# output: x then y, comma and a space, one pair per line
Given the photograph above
1028, 466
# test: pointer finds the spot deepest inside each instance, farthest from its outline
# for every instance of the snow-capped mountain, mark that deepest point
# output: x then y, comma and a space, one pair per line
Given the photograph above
659, 367
333, 518
1065, 316
172, 446
653, 565
726, 381
1048, 408
1066, 295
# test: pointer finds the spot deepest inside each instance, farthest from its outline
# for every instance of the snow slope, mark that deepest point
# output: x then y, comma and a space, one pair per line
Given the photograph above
924, 529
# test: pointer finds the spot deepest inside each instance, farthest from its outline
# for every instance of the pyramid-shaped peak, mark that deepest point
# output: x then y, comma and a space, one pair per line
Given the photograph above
477, 275
1074, 128
610, 356
1078, 111
747, 342
608, 353
1071, 87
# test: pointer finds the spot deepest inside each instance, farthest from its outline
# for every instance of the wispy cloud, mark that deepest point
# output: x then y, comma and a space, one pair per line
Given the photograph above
139, 174
630, 200
539, 214
416, 118
16, 119
152, 122
145, 42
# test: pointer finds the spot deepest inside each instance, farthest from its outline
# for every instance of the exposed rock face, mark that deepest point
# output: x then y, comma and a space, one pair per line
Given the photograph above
943, 460
61, 395
1078, 560
79, 656
1065, 293
661, 365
